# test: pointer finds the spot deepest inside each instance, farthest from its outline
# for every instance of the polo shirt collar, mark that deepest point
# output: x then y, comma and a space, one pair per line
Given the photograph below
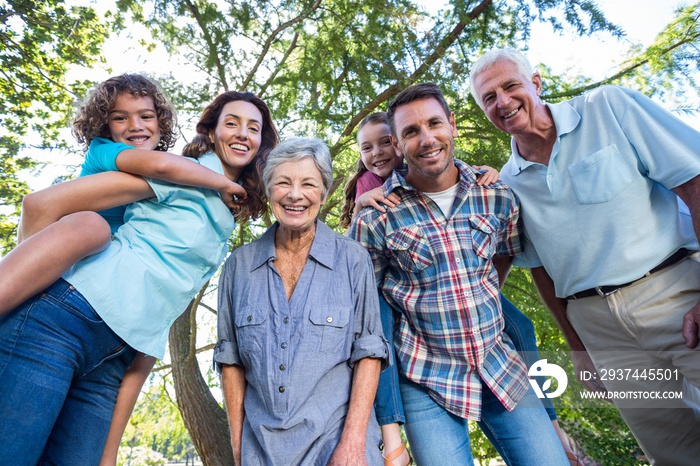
566, 119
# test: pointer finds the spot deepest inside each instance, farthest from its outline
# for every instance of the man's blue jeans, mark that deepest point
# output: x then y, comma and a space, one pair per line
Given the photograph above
524, 436
60, 370
388, 405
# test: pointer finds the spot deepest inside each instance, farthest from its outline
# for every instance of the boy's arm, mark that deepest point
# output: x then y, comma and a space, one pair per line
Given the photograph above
88, 193
179, 170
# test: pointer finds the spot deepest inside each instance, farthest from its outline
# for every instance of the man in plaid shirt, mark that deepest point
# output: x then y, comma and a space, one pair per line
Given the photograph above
434, 255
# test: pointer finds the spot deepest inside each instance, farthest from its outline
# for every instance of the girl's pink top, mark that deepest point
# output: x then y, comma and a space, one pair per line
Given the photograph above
366, 182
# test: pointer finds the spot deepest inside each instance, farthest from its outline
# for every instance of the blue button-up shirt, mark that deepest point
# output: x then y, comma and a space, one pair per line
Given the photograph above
298, 355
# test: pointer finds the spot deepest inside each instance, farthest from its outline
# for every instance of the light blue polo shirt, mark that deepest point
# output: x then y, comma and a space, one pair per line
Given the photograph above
168, 247
602, 213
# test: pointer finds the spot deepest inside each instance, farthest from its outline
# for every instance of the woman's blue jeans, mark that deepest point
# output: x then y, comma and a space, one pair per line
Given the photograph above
60, 370
388, 405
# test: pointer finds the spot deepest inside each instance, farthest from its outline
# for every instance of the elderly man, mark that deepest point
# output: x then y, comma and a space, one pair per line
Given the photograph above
433, 258
596, 178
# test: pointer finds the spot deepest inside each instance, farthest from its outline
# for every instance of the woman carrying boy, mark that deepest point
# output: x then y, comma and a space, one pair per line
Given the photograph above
63, 353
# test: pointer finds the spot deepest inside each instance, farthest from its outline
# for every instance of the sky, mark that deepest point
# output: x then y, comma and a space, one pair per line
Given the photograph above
596, 57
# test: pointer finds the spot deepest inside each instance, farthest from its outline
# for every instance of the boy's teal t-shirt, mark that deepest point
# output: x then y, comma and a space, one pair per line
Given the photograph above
102, 157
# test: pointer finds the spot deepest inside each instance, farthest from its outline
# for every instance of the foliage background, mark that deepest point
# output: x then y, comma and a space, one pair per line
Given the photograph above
321, 65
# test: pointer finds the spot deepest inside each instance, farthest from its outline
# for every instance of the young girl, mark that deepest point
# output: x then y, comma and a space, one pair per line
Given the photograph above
378, 159
157, 261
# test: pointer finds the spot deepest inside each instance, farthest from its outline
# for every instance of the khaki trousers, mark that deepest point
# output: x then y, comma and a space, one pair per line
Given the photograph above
639, 327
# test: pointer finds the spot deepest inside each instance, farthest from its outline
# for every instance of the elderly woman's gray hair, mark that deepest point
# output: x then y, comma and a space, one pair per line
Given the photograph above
294, 149
493, 56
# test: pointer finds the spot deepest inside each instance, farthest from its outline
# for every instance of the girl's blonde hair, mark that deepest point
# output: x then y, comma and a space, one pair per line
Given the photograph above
351, 186
92, 119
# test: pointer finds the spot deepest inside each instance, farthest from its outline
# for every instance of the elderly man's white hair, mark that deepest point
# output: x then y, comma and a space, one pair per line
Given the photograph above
493, 56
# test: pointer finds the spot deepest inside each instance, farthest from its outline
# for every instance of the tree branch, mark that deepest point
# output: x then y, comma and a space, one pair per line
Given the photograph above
271, 38
220, 69
425, 66
277, 69
625, 71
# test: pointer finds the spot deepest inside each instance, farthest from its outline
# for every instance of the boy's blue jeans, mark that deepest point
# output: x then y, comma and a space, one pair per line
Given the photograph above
60, 370
388, 405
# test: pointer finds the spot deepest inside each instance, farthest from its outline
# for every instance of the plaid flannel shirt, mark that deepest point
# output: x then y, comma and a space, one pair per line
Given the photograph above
438, 272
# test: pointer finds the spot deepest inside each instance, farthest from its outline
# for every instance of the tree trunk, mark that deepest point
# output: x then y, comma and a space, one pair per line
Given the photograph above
203, 417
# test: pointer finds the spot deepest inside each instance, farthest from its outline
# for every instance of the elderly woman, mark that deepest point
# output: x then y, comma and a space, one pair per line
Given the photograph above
300, 340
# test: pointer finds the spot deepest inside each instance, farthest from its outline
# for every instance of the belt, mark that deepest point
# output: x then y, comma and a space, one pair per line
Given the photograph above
607, 290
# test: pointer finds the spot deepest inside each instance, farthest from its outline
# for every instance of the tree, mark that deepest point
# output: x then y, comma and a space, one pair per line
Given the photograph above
205, 420
38, 43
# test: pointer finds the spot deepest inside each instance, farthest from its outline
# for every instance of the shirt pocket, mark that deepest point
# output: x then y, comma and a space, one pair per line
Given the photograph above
601, 176
329, 327
410, 249
251, 331
483, 235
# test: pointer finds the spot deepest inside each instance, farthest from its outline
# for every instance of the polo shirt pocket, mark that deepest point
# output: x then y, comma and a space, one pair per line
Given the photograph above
483, 231
601, 176
251, 331
329, 326
409, 249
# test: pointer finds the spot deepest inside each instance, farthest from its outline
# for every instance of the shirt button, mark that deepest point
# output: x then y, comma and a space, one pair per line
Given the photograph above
283, 367
281, 389
286, 320
249, 318
329, 319
458, 260
284, 345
